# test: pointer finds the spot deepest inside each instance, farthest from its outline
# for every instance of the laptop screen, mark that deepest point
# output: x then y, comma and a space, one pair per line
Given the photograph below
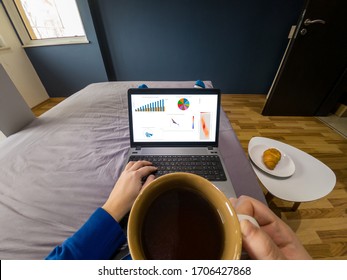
174, 117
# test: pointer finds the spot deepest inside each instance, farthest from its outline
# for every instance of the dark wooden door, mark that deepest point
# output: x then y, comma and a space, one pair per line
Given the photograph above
314, 64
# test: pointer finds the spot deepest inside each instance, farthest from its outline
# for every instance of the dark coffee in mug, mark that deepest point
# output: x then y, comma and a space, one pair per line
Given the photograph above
181, 224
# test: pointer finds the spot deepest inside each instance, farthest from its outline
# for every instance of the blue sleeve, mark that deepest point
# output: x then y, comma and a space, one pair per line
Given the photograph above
97, 239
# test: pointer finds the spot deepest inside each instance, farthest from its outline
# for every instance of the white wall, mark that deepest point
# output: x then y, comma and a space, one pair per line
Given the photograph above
17, 64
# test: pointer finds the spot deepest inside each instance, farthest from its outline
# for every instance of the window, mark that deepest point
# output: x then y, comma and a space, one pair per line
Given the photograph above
46, 22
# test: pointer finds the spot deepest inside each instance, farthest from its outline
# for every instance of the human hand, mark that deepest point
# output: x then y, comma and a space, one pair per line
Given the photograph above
274, 240
128, 187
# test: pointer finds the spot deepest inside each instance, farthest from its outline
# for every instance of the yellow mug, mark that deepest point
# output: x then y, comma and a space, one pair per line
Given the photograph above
183, 216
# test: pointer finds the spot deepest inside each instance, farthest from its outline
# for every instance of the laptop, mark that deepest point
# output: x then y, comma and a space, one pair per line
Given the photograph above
178, 125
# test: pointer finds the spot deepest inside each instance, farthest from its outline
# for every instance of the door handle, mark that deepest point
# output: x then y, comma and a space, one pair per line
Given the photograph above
308, 21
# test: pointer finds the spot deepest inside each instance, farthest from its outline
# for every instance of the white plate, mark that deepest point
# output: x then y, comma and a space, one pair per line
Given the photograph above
284, 168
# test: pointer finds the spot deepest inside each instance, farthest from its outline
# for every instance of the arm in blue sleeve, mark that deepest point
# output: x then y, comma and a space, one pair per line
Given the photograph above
97, 239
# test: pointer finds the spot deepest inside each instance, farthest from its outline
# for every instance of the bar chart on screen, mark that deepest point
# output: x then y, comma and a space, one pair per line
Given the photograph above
156, 106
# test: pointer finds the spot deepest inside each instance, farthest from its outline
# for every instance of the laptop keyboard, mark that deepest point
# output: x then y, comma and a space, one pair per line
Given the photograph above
209, 166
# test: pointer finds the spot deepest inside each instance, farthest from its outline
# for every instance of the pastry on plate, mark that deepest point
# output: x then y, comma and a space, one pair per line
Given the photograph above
271, 157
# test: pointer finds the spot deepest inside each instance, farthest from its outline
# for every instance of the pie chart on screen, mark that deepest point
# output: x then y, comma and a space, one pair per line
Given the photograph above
183, 104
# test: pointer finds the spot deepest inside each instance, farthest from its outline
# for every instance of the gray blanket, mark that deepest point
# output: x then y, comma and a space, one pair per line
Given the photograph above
60, 168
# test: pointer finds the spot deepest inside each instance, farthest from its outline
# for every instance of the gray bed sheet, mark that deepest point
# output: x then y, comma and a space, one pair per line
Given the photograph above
60, 168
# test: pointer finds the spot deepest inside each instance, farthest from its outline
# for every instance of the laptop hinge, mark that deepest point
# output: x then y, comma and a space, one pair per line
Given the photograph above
210, 148
138, 148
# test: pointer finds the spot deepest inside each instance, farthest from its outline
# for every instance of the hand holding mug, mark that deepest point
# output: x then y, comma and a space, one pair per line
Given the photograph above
273, 239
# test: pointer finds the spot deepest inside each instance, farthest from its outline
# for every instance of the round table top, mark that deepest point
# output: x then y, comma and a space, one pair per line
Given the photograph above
311, 179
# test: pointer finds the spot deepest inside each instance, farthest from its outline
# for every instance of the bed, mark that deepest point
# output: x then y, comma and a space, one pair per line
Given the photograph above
57, 170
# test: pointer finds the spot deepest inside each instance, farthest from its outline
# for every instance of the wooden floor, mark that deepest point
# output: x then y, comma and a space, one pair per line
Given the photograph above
46, 105
320, 225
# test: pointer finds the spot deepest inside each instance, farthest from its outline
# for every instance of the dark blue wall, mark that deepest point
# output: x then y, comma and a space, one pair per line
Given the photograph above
65, 69
238, 44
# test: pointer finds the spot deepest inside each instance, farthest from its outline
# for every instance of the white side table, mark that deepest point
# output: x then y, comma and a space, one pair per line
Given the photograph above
311, 180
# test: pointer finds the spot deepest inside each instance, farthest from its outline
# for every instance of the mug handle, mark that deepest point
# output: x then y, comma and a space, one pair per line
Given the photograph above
249, 218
